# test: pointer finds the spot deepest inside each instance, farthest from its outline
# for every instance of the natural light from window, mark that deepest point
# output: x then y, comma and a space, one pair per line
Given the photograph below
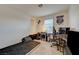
48, 25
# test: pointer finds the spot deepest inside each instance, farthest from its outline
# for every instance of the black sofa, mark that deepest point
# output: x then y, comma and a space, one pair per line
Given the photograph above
34, 36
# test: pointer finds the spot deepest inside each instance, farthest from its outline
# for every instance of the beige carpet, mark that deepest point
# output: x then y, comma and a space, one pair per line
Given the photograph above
44, 49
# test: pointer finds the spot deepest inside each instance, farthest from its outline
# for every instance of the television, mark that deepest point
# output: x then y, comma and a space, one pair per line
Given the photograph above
73, 42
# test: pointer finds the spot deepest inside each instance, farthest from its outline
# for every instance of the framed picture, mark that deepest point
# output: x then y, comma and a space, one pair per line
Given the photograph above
59, 19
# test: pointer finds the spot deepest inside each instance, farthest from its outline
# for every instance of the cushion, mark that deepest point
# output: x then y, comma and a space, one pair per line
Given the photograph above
26, 39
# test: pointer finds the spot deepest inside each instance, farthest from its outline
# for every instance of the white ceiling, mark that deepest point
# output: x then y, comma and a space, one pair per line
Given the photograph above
31, 9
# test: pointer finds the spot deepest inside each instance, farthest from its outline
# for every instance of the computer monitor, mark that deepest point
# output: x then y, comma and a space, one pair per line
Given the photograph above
64, 30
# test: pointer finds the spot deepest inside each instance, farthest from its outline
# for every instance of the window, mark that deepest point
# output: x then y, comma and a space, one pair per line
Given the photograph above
48, 25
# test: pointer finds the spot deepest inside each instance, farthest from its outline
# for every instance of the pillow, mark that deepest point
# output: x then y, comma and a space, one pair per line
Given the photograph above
26, 39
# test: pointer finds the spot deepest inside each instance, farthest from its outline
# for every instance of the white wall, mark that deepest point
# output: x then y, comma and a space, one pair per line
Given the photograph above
13, 29
37, 27
66, 20
40, 26
74, 17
